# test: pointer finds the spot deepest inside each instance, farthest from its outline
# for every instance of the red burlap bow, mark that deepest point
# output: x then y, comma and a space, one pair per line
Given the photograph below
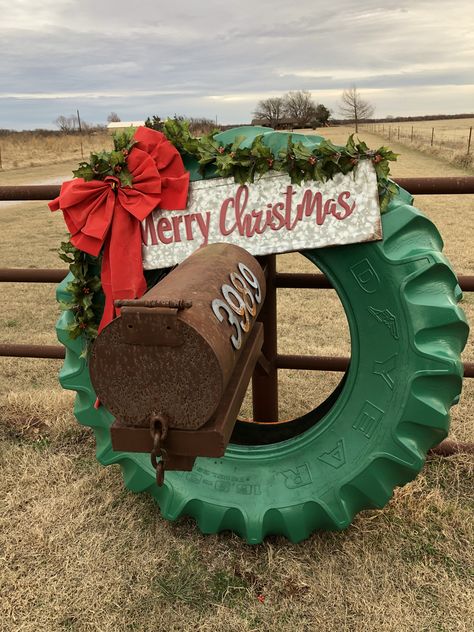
103, 213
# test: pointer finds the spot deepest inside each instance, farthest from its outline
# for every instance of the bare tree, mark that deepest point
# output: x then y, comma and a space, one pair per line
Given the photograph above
354, 107
66, 124
270, 110
300, 107
113, 117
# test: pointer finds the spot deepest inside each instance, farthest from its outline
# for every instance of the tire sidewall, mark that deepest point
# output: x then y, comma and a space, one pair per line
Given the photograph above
362, 423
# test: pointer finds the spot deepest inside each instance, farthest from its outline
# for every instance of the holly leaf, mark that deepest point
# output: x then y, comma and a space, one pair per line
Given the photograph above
94, 284
87, 300
66, 246
116, 158
350, 145
84, 171
125, 177
237, 142
124, 139
74, 331
362, 147
65, 258
63, 306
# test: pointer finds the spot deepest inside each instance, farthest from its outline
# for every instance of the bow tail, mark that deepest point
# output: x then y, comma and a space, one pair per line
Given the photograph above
122, 269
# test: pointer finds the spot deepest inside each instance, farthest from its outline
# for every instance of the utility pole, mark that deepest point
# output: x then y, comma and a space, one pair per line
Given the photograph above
80, 132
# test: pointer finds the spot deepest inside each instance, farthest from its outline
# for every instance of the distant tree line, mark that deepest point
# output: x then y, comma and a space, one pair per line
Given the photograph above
197, 125
425, 117
294, 109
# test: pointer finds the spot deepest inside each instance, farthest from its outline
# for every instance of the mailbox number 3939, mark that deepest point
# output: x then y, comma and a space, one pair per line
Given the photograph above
240, 304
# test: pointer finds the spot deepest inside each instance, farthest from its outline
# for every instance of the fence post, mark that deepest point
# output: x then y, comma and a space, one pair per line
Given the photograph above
1, 166
398, 133
265, 380
411, 137
432, 136
80, 133
389, 132
468, 144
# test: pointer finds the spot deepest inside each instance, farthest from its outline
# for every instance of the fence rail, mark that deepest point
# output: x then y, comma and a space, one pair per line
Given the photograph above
419, 186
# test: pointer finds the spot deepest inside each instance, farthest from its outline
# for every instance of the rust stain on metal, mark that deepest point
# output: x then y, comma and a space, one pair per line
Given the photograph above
184, 445
178, 361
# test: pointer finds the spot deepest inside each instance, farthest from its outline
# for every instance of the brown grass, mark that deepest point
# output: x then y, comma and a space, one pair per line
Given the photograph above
27, 149
81, 553
450, 138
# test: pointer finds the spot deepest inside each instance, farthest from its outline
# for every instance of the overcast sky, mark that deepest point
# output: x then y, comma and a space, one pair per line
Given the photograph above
218, 58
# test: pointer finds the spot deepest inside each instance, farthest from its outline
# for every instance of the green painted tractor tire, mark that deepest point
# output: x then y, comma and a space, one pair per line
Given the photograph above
400, 296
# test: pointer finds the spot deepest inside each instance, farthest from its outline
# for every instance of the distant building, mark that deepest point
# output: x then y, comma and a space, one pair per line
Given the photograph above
284, 123
113, 127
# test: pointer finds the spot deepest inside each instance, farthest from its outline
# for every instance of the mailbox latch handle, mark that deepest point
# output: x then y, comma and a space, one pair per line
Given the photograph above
137, 302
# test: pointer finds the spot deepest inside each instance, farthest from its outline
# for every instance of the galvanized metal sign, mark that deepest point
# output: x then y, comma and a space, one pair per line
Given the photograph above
269, 216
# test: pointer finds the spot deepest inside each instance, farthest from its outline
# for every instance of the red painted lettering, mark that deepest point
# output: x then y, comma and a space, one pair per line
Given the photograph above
176, 220
188, 220
308, 204
279, 206
149, 230
349, 209
164, 225
223, 216
204, 222
329, 207
288, 200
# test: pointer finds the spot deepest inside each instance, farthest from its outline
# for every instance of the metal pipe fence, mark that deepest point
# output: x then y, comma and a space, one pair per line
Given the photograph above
455, 139
419, 186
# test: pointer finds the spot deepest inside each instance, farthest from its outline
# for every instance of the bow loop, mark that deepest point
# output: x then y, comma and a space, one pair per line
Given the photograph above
103, 214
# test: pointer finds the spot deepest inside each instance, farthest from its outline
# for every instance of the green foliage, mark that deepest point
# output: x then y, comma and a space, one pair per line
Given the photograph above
110, 163
154, 123
321, 115
300, 162
84, 291
244, 164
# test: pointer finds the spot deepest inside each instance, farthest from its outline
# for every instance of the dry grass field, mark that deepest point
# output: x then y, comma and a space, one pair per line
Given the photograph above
27, 149
81, 553
450, 138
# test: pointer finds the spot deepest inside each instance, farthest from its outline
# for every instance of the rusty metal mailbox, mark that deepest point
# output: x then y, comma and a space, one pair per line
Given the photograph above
174, 367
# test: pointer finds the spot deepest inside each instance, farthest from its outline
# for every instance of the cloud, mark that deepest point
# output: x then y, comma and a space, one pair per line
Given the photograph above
161, 58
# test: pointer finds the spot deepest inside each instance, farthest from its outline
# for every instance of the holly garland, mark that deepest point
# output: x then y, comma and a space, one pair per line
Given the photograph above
84, 291
244, 164
110, 163
85, 288
300, 162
